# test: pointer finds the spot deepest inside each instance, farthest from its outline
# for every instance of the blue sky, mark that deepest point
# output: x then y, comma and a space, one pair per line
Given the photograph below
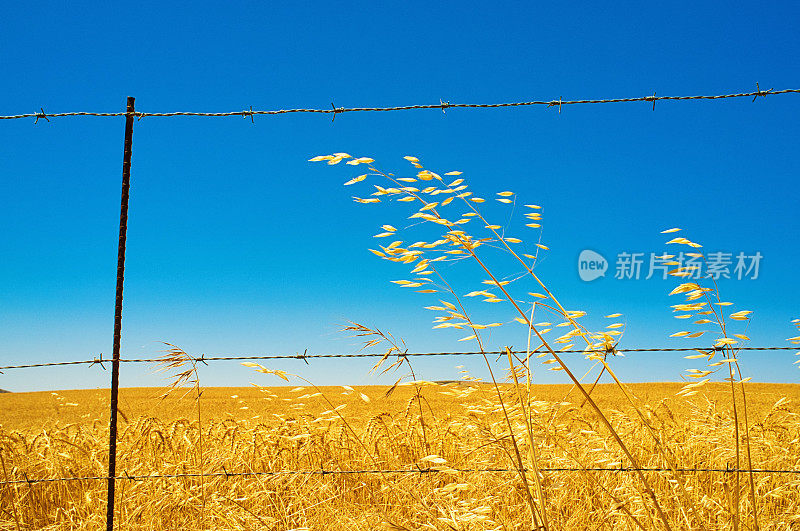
237, 245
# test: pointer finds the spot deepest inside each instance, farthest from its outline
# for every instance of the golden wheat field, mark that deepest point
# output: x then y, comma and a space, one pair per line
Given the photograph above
438, 432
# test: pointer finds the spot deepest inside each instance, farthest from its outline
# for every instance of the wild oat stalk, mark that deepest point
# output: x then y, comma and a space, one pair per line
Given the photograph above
796, 339
707, 302
397, 348
454, 244
172, 361
531, 442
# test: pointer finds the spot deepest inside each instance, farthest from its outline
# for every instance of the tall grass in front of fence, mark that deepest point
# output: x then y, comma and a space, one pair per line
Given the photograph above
472, 236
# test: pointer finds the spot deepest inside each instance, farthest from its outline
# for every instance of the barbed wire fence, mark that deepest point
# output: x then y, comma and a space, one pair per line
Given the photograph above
421, 471
130, 114
100, 361
442, 105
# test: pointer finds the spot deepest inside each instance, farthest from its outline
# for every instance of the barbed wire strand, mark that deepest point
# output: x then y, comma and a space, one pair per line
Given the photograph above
443, 105
100, 361
323, 473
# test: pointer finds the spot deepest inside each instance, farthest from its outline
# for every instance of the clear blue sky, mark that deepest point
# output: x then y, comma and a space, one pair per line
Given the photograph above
237, 245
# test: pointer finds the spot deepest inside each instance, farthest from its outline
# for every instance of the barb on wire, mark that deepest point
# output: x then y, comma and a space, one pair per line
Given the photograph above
98, 361
41, 115
322, 472
760, 92
554, 103
245, 114
441, 105
305, 356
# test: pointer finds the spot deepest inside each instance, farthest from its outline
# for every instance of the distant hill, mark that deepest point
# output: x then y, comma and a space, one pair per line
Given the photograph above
4, 391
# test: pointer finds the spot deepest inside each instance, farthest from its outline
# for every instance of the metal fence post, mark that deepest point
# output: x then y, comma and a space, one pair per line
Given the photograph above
123, 231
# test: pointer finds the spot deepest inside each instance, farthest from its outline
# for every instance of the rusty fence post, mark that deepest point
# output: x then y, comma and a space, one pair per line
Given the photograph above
123, 232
